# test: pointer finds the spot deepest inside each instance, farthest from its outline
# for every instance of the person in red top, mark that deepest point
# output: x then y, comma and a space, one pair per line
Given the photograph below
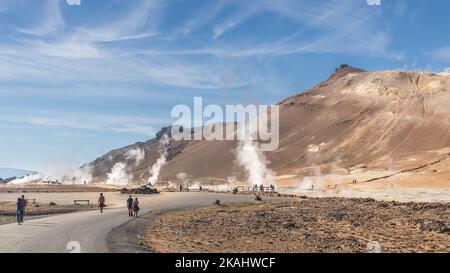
24, 201
101, 202
136, 207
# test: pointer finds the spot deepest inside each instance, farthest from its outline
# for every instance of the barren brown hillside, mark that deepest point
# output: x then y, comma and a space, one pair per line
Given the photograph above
366, 125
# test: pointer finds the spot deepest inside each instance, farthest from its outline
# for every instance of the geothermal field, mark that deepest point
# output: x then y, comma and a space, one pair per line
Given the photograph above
363, 164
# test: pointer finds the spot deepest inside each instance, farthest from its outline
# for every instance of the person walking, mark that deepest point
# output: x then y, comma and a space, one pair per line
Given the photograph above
20, 209
130, 206
101, 202
24, 205
24, 201
136, 207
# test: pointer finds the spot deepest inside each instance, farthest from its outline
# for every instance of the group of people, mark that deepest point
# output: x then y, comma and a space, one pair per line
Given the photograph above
20, 211
261, 188
132, 205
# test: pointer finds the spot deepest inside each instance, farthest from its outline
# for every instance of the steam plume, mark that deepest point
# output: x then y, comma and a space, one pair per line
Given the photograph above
135, 154
252, 159
119, 175
156, 168
63, 173
182, 176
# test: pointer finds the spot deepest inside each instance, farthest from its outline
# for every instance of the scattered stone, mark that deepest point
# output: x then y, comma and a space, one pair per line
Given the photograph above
142, 190
289, 225
434, 225
310, 225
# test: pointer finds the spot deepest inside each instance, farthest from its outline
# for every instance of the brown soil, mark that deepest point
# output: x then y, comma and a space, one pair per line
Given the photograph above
304, 225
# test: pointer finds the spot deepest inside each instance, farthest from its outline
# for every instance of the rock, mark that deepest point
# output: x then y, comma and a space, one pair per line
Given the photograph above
141, 190
337, 215
433, 225
262, 213
289, 225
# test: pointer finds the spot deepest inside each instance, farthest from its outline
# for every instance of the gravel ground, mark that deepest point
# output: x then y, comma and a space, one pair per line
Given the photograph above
304, 225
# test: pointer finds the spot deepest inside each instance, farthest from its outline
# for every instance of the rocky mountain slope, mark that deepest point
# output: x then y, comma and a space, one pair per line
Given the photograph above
353, 121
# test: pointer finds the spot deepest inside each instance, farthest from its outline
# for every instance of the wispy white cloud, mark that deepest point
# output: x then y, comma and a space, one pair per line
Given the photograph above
333, 26
97, 54
246, 10
69, 49
85, 121
50, 21
72, 62
441, 54
139, 23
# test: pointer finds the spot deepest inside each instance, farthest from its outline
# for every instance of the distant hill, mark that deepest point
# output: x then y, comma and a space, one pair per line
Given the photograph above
6, 173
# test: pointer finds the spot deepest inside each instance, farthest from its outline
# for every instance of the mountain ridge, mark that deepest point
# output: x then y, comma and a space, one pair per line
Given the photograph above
381, 120
8, 173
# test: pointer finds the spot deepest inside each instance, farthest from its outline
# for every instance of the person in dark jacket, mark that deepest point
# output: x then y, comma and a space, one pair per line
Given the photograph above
130, 206
101, 202
20, 210
24, 205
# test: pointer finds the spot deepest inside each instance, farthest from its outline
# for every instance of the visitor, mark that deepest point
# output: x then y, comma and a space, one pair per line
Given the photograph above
20, 211
136, 207
101, 202
130, 206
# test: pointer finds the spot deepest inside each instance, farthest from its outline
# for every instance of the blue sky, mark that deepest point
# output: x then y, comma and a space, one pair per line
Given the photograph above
78, 81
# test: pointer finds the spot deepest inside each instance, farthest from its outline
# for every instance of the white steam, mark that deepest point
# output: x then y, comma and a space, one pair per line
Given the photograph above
252, 159
221, 188
62, 173
156, 168
307, 183
119, 175
232, 179
135, 154
314, 180
182, 176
